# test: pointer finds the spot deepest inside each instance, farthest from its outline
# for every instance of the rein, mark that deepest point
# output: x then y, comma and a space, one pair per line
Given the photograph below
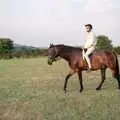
85, 49
56, 52
83, 53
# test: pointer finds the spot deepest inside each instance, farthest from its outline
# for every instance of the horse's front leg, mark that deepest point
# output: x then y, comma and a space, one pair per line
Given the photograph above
66, 79
80, 80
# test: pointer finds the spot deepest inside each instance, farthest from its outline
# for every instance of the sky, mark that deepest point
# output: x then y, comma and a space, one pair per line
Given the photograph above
41, 22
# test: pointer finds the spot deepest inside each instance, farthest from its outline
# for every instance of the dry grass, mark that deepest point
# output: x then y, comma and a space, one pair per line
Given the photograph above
32, 90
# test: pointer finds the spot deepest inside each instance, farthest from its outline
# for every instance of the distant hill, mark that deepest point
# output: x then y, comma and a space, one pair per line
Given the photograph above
9, 49
18, 47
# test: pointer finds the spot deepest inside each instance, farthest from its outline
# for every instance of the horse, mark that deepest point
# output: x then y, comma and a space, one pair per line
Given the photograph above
100, 60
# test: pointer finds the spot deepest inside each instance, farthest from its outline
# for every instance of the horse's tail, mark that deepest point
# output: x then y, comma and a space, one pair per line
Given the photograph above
117, 64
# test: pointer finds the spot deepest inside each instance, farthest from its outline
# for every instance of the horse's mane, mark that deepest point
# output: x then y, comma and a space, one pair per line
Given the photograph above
69, 48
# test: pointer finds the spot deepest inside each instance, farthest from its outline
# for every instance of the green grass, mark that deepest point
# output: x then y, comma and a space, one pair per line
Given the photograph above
32, 90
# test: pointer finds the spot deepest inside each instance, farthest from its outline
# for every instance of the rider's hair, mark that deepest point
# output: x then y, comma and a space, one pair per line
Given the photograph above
89, 25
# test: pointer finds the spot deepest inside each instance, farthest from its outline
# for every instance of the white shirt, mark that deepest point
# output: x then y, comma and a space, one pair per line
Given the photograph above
90, 40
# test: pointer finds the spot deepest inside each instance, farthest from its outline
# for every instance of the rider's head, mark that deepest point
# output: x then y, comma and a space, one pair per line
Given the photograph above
88, 27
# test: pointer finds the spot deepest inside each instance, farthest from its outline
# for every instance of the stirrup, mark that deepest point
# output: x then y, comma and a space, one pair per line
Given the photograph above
89, 69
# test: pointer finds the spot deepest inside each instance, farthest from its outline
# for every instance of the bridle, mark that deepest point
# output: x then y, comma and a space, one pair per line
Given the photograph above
54, 58
83, 52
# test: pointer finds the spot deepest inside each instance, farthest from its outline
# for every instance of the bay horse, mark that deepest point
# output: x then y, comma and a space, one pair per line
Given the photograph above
73, 55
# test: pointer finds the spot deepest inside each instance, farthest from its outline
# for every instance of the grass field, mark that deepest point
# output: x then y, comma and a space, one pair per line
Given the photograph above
32, 90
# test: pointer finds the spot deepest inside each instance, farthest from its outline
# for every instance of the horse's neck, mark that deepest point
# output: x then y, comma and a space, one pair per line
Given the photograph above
65, 54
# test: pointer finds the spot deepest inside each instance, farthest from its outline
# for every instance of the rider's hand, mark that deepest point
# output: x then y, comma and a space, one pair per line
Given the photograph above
82, 47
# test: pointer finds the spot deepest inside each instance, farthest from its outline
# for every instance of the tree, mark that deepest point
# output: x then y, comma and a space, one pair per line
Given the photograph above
6, 45
103, 42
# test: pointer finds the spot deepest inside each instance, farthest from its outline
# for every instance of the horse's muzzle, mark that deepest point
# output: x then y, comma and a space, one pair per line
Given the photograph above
49, 62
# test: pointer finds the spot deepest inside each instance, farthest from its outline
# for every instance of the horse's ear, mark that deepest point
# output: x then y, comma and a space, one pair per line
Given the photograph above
51, 45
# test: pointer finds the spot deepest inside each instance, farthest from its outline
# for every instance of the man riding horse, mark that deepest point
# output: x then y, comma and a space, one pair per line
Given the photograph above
100, 59
89, 45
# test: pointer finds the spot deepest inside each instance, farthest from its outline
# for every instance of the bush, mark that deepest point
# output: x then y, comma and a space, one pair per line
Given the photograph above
117, 49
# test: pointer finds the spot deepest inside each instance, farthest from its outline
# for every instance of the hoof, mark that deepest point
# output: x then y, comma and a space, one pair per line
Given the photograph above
65, 91
98, 88
81, 90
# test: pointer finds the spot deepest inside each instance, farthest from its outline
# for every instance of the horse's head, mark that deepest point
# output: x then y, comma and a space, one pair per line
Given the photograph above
53, 51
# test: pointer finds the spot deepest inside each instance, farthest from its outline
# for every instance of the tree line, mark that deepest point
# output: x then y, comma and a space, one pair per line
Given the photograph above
10, 50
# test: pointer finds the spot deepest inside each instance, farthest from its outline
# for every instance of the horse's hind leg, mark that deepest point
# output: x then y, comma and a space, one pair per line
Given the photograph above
118, 79
80, 80
103, 77
117, 76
